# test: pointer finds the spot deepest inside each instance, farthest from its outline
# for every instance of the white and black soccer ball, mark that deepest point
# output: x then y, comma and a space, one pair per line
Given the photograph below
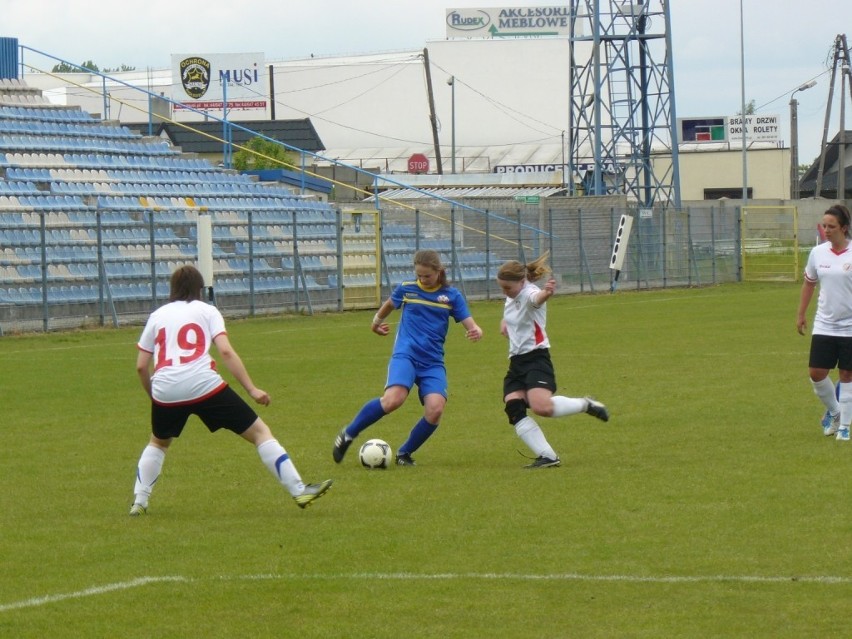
375, 453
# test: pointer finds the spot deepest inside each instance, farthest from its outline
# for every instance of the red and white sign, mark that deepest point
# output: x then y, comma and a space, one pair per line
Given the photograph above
418, 163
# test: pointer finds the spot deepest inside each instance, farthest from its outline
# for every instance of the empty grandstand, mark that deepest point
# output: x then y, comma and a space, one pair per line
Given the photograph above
94, 217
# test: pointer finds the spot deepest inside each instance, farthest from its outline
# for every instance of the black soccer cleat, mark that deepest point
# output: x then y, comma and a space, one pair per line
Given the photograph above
404, 459
544, 462
341, 445
596, 409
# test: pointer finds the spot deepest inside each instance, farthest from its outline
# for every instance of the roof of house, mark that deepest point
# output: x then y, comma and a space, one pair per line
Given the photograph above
807, 185
292, 178
206, 137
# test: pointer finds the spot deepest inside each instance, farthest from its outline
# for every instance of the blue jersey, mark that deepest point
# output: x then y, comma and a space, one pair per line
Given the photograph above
425, 320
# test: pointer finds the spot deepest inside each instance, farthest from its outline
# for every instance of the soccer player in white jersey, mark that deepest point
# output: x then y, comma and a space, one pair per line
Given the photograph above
428, 303
531, 380
830, 265
177, 340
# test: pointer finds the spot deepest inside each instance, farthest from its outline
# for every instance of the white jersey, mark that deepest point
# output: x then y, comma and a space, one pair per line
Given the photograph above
179, 334
833, 271
525, 322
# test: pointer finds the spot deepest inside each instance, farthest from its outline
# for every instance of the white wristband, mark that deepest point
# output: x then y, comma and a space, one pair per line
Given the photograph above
377, 321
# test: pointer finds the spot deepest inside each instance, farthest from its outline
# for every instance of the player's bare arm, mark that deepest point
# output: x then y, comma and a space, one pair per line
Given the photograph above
236, 367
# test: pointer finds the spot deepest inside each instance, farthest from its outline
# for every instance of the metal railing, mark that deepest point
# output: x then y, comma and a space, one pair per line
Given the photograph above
62, 269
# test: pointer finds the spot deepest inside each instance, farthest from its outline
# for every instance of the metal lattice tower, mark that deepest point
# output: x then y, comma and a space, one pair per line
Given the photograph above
622, 100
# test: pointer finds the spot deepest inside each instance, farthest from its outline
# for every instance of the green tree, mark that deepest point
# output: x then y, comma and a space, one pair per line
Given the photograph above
120, 69
260, 153
749, 108
64, 67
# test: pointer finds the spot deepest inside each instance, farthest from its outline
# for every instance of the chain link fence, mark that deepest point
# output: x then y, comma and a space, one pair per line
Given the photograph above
96, 266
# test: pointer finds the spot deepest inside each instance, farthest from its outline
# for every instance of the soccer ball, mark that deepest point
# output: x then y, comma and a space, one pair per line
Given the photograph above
375, 453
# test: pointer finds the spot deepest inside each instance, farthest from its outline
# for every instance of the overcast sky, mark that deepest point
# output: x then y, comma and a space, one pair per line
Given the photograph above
786, 43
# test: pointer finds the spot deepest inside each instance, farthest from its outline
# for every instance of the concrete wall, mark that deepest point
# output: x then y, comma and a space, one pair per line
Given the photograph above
768, 172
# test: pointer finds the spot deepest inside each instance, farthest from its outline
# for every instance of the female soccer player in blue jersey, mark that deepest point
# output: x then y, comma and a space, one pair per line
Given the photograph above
531, 380
427, 305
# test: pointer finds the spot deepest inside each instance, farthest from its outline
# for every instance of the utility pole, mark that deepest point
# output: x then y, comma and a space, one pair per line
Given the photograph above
432, 117
794, 139
841, 61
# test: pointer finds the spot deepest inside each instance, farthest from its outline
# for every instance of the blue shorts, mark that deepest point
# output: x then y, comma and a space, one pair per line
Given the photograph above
429, 379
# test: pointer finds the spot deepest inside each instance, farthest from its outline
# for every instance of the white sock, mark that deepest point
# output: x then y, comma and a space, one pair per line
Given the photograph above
845, 404
531, 434
568, 405
147, 472
276, 459
825, 390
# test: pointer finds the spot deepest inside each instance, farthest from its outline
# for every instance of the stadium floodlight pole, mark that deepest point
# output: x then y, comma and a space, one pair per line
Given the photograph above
743, 105
619, 248
794, 139
452, 82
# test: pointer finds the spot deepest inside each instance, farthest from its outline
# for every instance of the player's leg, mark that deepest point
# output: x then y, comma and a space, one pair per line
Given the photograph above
281, 465
433, 405
432, 390
515, 400
148, 471
540, 382
167, 422
823, 357
399, 381
828, 419
845, 366
528, 430
274, 457
228, 410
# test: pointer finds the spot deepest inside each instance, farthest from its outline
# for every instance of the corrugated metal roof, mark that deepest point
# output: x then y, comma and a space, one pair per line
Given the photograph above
204, 137
476, 159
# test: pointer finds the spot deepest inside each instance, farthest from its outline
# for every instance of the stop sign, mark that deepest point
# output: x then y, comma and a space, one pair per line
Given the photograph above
418, 163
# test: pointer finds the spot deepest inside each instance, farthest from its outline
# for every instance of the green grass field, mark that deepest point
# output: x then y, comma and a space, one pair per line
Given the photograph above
709, 506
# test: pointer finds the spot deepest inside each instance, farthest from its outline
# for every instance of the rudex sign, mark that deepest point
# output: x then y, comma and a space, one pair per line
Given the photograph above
509, 22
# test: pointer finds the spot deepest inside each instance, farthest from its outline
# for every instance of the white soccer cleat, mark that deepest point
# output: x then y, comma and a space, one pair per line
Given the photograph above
830, 424
311, 493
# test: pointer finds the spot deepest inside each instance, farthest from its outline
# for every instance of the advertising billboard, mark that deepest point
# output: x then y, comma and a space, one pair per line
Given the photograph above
205, 81
759, 128
509, 22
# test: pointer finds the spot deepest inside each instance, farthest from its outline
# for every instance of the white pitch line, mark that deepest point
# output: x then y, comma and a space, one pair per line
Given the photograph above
410, 576
88, 592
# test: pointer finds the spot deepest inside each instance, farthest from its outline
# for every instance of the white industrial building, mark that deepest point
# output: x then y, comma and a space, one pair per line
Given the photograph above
504, 101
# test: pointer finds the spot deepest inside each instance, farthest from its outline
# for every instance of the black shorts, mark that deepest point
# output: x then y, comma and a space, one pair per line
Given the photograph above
225, 409
828, 351
530, 370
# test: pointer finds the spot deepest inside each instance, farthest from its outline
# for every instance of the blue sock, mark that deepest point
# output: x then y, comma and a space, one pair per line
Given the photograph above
370, 413
419, 434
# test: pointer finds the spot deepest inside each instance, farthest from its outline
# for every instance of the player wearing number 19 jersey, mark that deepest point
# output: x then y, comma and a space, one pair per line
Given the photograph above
176, 343
179, 335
